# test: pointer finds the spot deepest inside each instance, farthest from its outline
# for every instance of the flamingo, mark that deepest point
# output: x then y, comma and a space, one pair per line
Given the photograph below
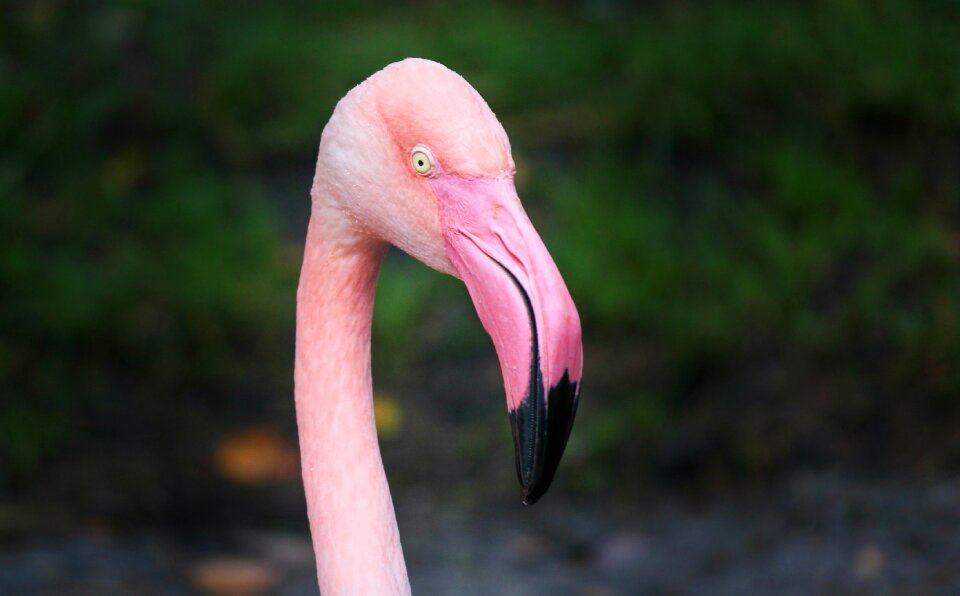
414, 157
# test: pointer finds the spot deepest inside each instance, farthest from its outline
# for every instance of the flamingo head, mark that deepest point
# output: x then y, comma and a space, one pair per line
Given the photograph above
413, 156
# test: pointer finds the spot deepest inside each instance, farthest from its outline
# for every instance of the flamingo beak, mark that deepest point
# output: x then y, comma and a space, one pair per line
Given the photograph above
528, 312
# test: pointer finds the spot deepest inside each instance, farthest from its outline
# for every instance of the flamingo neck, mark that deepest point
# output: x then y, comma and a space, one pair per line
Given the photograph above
352, 521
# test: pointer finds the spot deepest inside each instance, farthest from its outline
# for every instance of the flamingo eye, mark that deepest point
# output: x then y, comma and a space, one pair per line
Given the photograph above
421, 162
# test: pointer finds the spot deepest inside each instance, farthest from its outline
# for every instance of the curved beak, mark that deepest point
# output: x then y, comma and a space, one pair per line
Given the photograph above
528, 312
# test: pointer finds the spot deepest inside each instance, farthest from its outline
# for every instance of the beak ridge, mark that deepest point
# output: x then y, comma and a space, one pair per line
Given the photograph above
528, 312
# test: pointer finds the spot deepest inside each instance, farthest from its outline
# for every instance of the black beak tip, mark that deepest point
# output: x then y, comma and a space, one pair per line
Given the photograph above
532, 494
541, 428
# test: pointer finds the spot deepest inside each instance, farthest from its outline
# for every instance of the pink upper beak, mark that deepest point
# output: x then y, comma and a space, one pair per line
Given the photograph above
528, 312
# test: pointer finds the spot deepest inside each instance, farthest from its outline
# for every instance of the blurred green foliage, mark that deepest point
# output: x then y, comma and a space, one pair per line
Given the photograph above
717, 182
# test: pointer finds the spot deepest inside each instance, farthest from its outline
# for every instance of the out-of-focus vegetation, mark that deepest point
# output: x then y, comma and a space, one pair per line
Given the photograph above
756, 207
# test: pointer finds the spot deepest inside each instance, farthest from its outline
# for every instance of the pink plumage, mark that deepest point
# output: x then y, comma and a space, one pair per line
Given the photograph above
414, 157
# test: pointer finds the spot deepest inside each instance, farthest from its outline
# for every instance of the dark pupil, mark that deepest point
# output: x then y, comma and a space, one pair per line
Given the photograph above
420, 162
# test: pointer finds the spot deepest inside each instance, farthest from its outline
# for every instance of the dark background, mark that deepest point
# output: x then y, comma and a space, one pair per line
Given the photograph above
756, 207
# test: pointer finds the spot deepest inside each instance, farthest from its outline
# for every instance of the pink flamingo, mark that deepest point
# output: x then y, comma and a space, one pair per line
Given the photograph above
414, 157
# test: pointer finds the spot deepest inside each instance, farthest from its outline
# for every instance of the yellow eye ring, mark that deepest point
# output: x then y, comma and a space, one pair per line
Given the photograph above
421, 162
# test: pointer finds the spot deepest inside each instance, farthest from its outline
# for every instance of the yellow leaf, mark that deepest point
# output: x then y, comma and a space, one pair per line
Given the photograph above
388, 414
